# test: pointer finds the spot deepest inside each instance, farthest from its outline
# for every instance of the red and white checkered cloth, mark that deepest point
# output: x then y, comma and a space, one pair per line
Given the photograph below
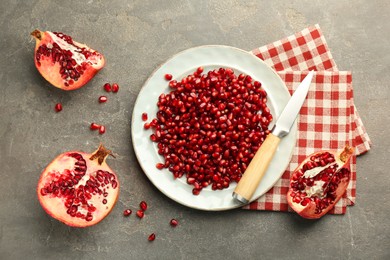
328, 118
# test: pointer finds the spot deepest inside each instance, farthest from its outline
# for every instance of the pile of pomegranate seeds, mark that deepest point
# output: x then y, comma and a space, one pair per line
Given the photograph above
209, 127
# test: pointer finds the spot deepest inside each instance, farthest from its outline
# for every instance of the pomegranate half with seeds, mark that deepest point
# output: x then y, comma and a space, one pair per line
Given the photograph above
79, 189
319, 182
65, 63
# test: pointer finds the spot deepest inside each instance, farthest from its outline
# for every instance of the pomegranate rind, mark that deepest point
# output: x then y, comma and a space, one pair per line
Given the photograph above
50, 70
55, 207
343, 158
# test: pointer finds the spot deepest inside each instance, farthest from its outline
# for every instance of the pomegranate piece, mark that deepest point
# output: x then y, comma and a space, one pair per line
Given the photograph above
143, 206
127, 212
173, 222
140, 213
79, 189
168, 76
319, 182
65, 63
152, 237
107, 87
115, 87
209, 126
58, 107
102, 99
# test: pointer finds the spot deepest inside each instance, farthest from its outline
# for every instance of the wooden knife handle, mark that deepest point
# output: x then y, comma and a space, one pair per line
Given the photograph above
257, 167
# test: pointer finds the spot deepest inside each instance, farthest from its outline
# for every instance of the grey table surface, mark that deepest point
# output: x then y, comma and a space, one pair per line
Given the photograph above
136, 37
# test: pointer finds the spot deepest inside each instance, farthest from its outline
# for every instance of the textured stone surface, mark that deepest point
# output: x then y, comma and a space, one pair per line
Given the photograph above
136, 37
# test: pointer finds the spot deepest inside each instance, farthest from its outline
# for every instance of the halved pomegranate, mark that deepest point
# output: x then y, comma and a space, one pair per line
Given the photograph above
65, 63
319, 182
79, 189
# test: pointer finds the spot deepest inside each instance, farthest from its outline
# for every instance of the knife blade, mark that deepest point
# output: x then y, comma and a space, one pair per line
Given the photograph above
256, 169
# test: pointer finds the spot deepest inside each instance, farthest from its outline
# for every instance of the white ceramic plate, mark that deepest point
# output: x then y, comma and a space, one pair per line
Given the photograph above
181, 65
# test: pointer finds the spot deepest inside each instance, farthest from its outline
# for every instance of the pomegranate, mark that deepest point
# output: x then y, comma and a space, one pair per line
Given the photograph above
152, 237
65, 63
79, 189
209, 127
319, 182
115, 88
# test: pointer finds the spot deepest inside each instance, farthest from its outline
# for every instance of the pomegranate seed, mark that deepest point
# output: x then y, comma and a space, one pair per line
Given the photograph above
102, 129
144, 116
143, 205
160, 166
107, 87
152, 237
102, 99
140, 213
58, 107
115, 87
174, 222
127, 212
94, 126
168, 76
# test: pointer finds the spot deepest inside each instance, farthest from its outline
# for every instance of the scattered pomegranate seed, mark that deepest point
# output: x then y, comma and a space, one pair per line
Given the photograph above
143, 205
168, 76
94, 126
115, 87
102, 129
107, 87
140, 213
127, 212
160, 166
152, 237
144, 116
173, 222
58, 107
102, 99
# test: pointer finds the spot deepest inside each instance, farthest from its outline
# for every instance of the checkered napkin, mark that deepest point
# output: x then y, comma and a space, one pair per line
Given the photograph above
328, 118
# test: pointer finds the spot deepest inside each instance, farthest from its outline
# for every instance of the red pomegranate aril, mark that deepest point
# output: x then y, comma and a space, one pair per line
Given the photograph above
94, 126
160, 166
102, 129
107, 87
144, 116
174, 222
140, 213
152, 237
143, 205
168, 76
58, 107
102, 99
127, 212
115, 87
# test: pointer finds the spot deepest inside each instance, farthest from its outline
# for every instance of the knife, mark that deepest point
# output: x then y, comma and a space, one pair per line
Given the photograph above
258, 166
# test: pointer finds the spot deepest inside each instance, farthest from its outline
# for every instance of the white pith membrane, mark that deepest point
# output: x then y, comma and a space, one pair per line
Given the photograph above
64, 166
76, 51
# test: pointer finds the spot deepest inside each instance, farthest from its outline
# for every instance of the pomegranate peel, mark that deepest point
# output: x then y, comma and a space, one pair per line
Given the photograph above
319, 182
65, 63
79, 189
